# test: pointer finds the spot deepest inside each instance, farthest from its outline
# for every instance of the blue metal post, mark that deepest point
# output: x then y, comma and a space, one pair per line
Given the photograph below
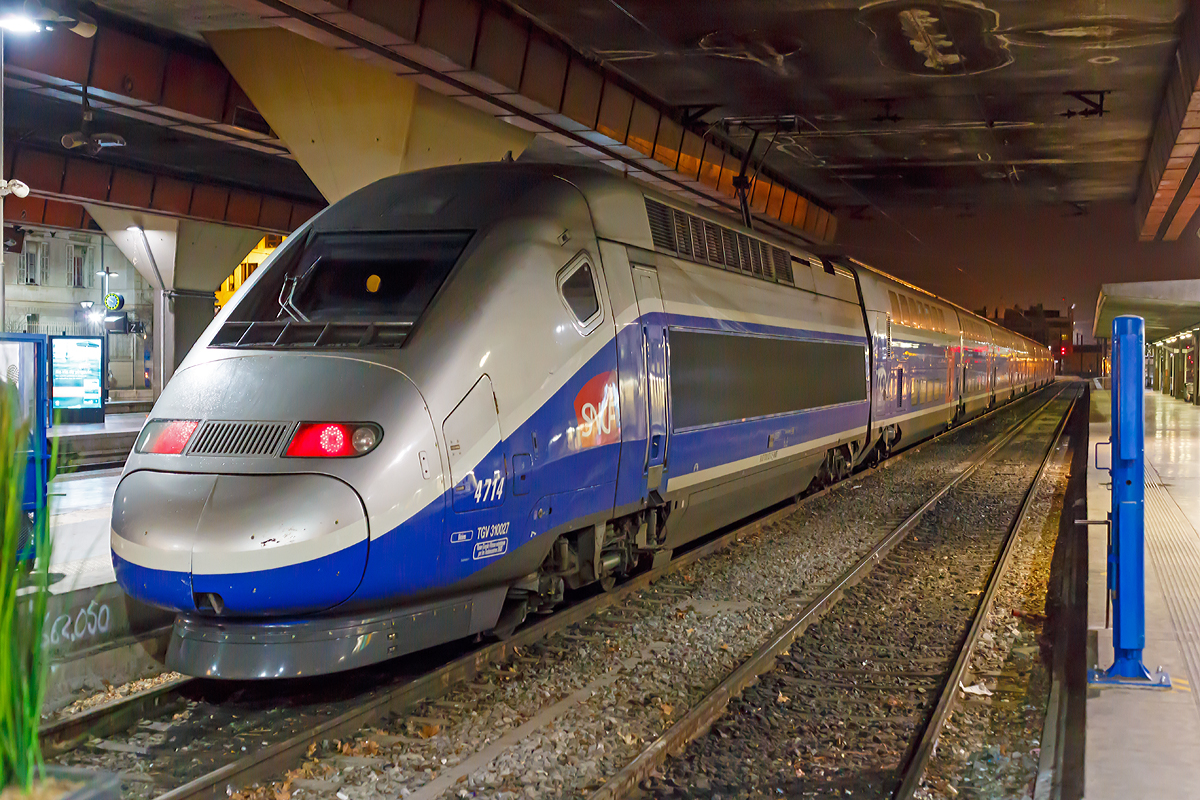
1126, 559
32, 382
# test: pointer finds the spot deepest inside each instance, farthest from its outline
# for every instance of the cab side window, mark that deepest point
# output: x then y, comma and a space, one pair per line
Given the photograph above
577, 285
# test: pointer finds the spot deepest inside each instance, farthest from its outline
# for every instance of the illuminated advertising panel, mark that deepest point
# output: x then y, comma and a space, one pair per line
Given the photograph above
77, 378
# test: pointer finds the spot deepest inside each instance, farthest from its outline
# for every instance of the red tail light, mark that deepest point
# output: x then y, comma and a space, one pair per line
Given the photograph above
333, 440
166, 437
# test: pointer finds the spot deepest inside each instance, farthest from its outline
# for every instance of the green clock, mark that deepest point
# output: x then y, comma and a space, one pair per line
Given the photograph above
114, 301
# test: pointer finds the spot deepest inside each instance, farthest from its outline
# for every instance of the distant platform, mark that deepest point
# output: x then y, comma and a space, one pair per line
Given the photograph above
1146, 742
92, 445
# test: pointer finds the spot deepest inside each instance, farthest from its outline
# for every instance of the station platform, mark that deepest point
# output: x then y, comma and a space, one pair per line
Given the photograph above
1144, 742
79, 525
100, 444
96, 634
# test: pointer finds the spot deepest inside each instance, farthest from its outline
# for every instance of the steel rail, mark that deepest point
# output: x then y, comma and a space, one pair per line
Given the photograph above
702, 715
63, 734
914, 769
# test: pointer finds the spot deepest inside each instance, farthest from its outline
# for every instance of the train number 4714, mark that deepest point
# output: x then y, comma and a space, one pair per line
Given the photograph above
489, 489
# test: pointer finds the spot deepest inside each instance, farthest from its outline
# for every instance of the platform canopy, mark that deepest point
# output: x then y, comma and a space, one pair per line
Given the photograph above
1167, 306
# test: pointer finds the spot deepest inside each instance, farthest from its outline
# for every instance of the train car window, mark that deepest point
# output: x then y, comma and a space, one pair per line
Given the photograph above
905, 315
895, 305
719, 378
355, 277
577, 284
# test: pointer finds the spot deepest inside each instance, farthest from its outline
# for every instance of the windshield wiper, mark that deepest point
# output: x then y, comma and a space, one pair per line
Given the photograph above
287, 293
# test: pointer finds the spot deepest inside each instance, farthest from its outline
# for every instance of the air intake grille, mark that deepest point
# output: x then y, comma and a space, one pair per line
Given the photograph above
240, 439
783, 266
662, 229
699, 240
683, 237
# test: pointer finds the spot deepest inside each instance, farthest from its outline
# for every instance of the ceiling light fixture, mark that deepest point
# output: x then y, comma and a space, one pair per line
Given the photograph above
19, 23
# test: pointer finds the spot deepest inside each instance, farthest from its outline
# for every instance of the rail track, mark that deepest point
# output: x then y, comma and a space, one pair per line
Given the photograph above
856, 706
258, 739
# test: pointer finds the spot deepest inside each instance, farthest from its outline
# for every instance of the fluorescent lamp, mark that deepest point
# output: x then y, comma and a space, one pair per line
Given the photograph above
19, 23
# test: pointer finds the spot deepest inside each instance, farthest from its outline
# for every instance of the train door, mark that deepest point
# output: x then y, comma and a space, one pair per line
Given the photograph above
964, 358
478, 463
654, 351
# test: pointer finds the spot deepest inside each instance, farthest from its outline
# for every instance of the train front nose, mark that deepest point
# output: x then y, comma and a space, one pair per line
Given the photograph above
239, 545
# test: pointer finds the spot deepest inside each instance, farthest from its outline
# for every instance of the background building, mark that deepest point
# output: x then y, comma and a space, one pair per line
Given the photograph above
1056, 330
51, 275
51, 278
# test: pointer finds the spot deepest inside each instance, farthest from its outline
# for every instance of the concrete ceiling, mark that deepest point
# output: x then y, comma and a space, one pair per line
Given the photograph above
188, 18
885, 103
1168, 307
901, 101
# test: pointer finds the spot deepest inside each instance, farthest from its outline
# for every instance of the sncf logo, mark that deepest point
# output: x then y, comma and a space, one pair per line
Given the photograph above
597, 418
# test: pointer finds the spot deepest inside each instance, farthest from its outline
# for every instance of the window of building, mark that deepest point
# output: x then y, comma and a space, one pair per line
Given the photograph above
79, 272
34, 267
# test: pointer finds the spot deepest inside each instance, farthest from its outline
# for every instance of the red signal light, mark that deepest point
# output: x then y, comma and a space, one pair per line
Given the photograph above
333, 440
166, 437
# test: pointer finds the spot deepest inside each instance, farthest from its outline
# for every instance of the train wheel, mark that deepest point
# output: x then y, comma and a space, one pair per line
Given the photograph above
842, 466
511, 616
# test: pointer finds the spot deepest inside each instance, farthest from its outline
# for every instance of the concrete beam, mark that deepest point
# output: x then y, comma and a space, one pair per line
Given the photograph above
490, 59
140, 77
1168, 193
63, 177
45, 213
350, 123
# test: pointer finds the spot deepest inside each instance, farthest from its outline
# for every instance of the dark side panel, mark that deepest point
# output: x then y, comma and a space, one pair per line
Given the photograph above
720, 377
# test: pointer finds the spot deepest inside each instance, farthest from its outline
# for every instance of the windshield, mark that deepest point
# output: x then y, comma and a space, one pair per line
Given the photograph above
354, 277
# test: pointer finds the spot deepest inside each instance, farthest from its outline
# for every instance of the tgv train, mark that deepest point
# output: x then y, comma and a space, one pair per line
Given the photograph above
455, 393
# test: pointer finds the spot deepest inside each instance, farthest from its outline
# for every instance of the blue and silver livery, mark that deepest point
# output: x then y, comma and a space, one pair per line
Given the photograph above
456, 393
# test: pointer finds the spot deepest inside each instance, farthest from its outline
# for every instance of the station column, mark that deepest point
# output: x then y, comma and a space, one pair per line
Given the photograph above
184, 261
1196, 367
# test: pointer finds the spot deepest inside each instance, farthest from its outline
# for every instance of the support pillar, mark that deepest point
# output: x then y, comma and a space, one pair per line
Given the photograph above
184, 262
1126, 557
1196, 368
348, 122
